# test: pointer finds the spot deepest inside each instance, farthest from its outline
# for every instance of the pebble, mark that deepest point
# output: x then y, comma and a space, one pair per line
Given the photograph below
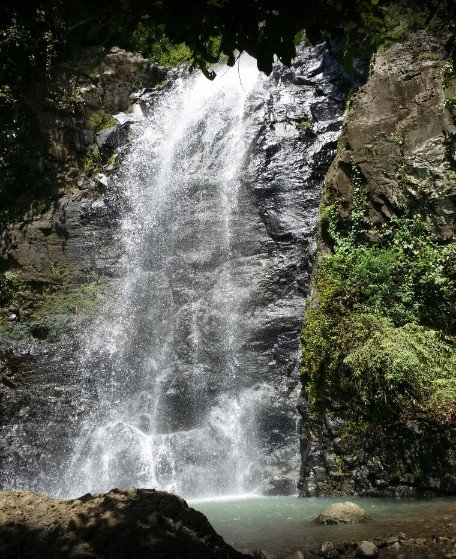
367, 549
328, 551
391, 540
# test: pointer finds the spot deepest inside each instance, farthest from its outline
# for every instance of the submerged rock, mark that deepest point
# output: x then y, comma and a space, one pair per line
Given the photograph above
343, 513
132, 523
296, 555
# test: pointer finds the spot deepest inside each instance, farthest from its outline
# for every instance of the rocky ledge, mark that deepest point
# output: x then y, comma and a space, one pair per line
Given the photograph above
130, 523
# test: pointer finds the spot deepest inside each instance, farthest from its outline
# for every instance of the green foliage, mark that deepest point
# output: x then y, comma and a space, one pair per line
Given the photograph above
401, 19
151, 43
450, 105
12, 289
101, 120
380, 337
62, 94
305, 124
208, 29
397, 139
398, 367
448, 73
91, 164
29, 44
404, 17
376, 369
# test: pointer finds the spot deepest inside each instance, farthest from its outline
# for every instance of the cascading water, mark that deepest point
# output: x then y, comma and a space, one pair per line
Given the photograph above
188, 378
159, 422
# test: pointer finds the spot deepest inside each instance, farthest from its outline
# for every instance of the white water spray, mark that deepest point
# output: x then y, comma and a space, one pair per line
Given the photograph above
193, 146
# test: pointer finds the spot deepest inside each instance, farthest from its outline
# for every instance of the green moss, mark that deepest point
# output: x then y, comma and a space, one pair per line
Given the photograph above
101, 120
44, 308
379, 334
69, 300
304, 125
51, 307
429, 56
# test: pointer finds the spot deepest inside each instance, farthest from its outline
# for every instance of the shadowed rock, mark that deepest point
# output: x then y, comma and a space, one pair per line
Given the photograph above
132, 523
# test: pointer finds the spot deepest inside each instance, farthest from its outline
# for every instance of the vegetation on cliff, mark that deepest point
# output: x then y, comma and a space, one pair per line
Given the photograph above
380, 338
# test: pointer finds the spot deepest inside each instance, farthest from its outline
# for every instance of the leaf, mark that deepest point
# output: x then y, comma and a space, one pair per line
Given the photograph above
298, 38
265, 58
348, 61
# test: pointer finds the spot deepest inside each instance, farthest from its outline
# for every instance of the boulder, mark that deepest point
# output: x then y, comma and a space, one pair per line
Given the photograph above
132, 523
343, 513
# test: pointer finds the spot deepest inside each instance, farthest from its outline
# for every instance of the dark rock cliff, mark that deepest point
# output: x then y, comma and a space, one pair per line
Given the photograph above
59, 258
398, 149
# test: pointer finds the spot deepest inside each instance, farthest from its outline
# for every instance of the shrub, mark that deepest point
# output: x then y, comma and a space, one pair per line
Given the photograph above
147, 40
12, 289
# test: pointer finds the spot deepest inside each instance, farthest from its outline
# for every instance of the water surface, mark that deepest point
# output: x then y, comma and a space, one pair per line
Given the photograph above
283, 524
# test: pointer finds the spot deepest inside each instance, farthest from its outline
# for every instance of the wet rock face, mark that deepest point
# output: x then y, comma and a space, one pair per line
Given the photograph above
293, 142
403, 143
401, 460
117, 525
75, 227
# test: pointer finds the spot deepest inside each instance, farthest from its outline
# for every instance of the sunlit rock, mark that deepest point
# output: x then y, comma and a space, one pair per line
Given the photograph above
343, 513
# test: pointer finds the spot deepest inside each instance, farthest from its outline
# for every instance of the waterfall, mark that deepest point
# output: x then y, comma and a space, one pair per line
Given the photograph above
159, 421
186, 380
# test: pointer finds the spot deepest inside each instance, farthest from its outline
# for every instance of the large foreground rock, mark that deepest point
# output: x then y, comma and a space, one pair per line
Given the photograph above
133, 523
343, 513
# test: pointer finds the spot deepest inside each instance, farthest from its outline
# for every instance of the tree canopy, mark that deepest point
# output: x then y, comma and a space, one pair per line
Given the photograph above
263, 28
36, 34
